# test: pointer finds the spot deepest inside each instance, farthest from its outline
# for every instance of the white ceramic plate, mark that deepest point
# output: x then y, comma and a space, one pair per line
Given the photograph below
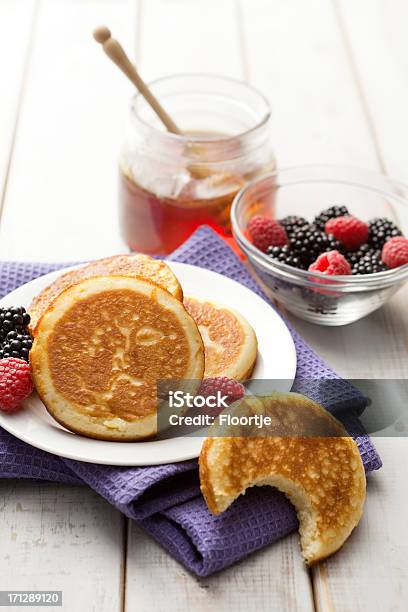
276, 360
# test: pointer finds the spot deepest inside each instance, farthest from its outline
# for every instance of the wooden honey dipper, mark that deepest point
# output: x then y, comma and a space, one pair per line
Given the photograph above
116, 53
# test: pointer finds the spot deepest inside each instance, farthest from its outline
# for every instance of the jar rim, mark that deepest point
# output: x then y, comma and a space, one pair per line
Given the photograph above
191, 138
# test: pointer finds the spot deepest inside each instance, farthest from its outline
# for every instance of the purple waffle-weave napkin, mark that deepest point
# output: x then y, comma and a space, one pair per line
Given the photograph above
166, 499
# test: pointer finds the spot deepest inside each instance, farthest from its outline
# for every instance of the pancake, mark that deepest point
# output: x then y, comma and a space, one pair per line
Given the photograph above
305, 453
229, 340
100, 349
155, 270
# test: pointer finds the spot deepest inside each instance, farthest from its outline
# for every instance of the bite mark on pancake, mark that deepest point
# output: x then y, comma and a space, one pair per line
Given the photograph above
319, 469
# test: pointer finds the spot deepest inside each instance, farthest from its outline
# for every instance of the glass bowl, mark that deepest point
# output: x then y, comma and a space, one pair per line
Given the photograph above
305, 191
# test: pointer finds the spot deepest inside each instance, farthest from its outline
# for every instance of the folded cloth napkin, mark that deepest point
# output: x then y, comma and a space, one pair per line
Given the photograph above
165, 500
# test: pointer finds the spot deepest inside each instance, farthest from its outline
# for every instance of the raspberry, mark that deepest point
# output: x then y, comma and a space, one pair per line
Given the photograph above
331, 263
266, 232
329, 213
350, 231
395, 252
15, 383
226, 386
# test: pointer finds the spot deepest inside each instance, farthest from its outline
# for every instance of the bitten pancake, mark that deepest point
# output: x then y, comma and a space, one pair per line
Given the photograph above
100, 349
305, 453
155, 270
229, 340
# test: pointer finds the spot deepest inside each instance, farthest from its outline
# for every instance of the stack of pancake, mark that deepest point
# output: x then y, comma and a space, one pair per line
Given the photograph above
106, 333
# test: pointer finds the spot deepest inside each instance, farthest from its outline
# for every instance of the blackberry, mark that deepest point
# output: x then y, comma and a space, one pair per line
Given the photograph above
355, 256
305, 245
381, 229
367, 260
15, 340
330, 213
291, 223
308, 243
286, 255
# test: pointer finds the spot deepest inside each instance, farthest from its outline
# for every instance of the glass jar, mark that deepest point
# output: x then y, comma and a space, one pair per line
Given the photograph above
171, 184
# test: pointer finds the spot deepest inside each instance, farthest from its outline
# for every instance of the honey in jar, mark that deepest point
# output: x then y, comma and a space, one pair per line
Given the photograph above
172, 184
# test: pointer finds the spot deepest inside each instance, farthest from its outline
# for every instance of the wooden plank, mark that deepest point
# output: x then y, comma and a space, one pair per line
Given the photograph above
327, 126
18, 17
179, 36
375, 31
371, 571
321, 117
374, 347
62, 189
184, 36
298, 57
303, 132
295, 57
269, 580
59, 537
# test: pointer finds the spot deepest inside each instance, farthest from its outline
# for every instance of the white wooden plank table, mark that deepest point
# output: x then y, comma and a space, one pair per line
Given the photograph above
335, 73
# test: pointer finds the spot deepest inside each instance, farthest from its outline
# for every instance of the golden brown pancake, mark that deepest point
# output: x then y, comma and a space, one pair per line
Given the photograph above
100, 349
305, 453
229, 340
155, 270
